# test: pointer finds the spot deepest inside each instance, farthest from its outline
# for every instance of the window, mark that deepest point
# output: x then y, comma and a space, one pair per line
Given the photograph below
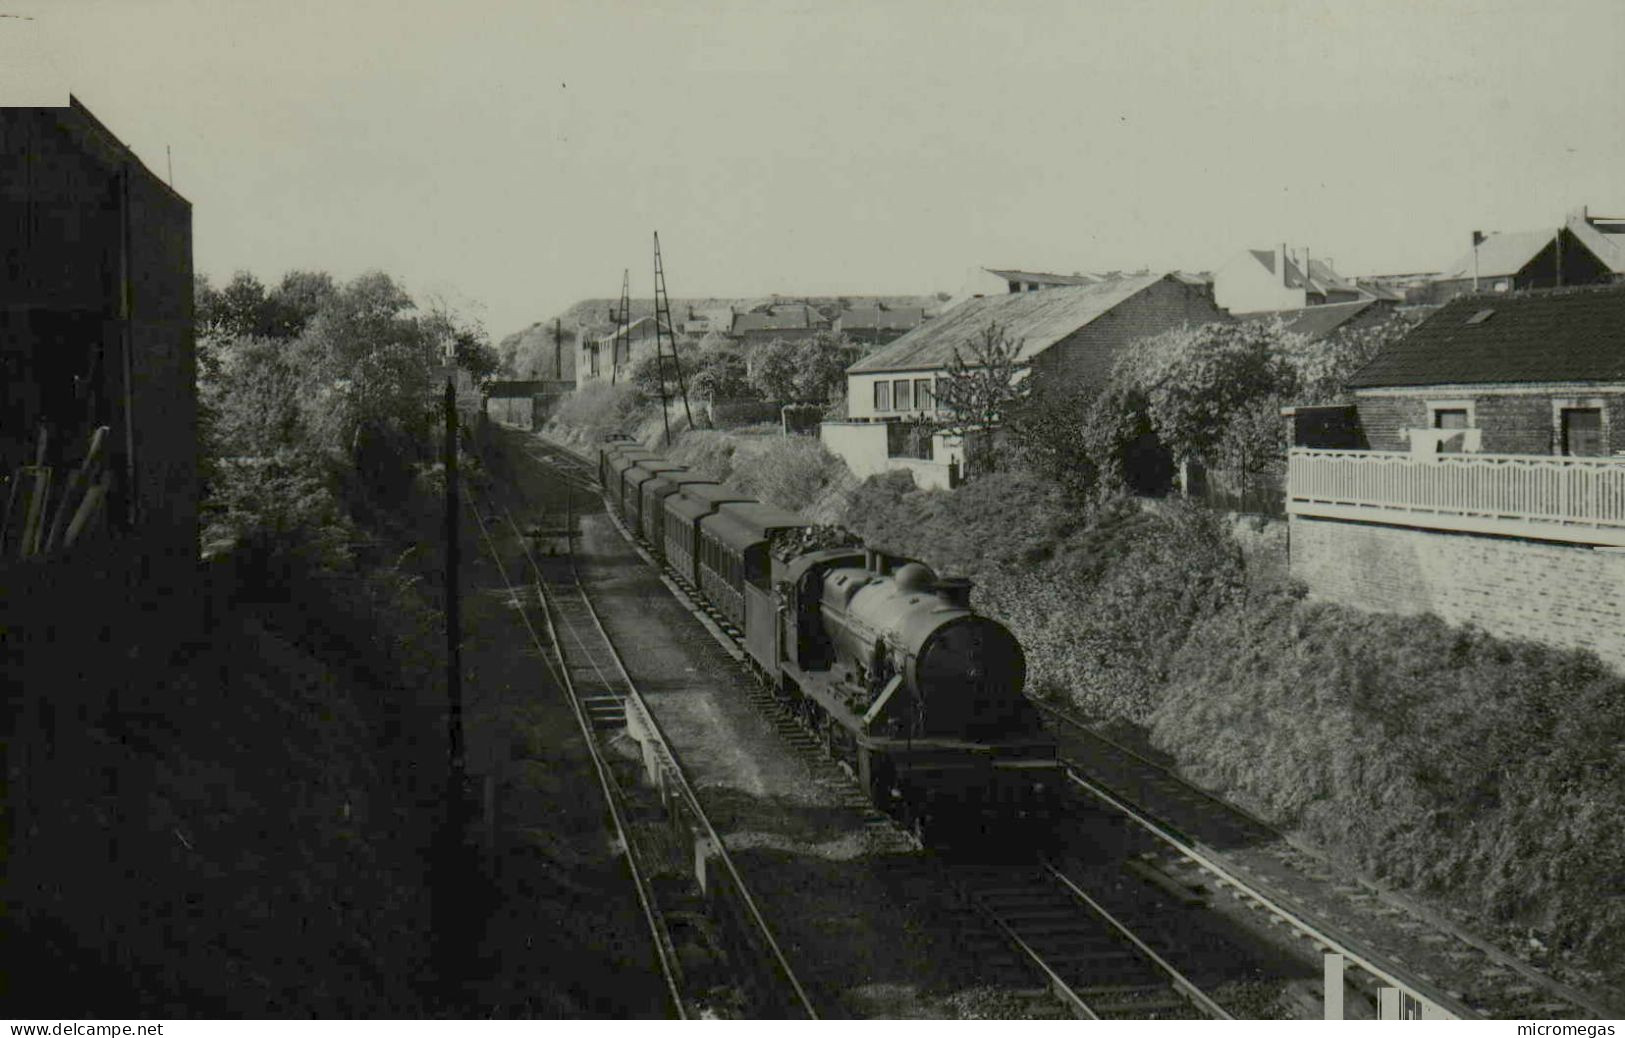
882, 396
1450, 418
922, 394
900, 395
1581, 431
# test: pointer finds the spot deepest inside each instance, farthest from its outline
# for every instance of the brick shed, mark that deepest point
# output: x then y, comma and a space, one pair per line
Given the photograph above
1533, 373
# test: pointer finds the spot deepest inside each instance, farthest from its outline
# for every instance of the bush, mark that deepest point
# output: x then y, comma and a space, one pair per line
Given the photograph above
1438, 758
1003, 521
792, 472
706, 451
1103, 620
595, 410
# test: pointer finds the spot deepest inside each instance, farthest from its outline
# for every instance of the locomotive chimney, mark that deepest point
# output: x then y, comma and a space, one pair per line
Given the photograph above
954, 591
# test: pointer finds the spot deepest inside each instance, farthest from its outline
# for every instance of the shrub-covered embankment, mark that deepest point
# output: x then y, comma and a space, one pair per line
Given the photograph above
1487, 775
793, 472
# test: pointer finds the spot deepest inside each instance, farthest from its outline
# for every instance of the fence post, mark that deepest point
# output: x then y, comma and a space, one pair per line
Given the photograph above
1334, 986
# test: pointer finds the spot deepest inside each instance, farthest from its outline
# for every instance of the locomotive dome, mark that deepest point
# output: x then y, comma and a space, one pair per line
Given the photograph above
914, 578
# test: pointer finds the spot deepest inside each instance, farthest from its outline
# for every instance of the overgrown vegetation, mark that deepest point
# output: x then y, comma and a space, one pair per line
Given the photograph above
1484, 773
299, 780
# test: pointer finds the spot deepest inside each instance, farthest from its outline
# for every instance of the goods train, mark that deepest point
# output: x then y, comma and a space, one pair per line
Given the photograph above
877, 655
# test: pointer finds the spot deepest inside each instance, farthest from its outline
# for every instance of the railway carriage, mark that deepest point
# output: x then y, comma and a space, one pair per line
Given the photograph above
653, 509
734, 557
610, 449
618, 467
632, 481
684, 511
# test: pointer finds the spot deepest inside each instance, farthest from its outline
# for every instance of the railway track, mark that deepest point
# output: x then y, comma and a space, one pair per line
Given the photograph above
714, 948
1089, 960
1097, 966
1464, 976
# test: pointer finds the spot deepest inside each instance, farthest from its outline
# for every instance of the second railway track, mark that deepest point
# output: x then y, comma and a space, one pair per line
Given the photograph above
708, 933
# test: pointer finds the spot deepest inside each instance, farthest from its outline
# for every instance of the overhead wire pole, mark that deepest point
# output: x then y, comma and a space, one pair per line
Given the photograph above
663, 320
623, 324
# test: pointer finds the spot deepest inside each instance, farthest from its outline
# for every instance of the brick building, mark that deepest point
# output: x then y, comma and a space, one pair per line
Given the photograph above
1076, 332
1586, 250
1532, 373
96, 330
604, 356
878, 324
1487, 483
791, 322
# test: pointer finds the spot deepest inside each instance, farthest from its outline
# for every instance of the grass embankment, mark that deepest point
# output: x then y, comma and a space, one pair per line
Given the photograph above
1486, 775
247, 832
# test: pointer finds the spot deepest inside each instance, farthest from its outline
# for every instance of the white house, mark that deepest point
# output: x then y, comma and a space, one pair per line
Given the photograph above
1257, 280
1075, 331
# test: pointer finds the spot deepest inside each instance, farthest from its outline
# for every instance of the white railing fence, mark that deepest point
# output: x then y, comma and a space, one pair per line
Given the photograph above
1516, 487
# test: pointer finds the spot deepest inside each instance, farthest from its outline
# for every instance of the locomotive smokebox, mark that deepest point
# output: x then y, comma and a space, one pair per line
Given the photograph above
955, 591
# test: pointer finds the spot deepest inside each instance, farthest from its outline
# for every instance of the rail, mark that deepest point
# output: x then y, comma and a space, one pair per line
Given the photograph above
1181, 983
665, 952
671, 769
1553, 498
1429, 994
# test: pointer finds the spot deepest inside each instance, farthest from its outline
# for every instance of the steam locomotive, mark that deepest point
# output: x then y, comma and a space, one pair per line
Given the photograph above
880, 657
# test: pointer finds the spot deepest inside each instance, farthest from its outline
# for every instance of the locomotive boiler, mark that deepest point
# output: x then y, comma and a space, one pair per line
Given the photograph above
878, 656
922, 695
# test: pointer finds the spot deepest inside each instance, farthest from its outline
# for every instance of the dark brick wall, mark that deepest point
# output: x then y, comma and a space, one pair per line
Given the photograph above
1511, 424
1089, 353
81, 218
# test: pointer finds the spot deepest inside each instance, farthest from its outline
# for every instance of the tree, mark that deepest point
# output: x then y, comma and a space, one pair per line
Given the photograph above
1195, 380
371, 369
981, 387
720, 374
1046, 433
773, 369
295, 301
650, 370
1324, 366
820, 366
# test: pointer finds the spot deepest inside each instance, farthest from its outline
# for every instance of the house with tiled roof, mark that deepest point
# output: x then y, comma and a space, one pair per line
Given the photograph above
1586, 250
790, 322
1318, 322
1529, 373
1258, 280
878, 324
1485, 477
1075, 332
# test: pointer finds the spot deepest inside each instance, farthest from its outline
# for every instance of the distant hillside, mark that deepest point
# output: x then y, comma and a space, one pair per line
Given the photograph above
532, 349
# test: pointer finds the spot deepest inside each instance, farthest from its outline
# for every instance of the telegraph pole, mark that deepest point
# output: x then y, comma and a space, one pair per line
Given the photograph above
454, 627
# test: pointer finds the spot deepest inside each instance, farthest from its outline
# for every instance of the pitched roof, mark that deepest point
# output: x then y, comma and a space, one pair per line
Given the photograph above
1037, 319
1317, 322
1604, 237
1499, 255
1037, 278
782, 320
1321, 278
1558, 335
884, 320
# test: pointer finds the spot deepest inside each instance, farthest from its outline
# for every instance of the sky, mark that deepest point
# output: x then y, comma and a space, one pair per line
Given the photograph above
514, 156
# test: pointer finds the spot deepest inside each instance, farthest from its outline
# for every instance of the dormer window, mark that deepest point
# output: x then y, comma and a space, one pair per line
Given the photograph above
1481, 317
